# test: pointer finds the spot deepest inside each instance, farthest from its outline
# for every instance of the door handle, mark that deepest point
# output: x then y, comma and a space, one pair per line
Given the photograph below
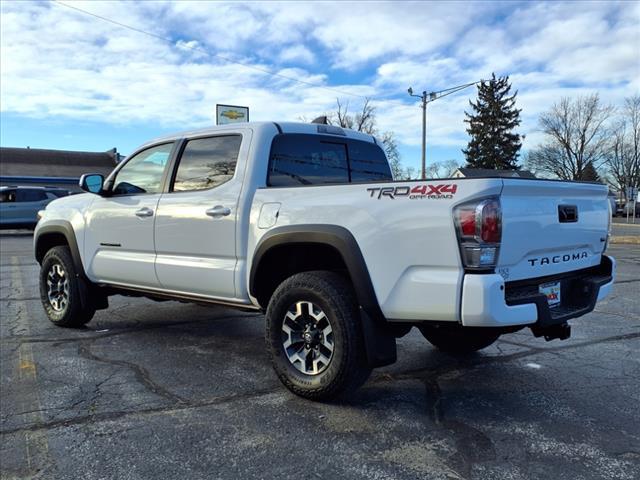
144, 212
218, 211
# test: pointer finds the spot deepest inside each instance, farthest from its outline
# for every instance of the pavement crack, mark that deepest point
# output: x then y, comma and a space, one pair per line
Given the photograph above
472, 444
469, 363
91, 335
141, 374
19, 299
115, 415
434, 398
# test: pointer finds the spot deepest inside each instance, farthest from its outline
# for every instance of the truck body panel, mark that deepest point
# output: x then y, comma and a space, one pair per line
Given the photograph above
405, 230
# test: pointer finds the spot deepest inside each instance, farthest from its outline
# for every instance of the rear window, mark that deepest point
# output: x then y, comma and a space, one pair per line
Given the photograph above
301, 159
368, 163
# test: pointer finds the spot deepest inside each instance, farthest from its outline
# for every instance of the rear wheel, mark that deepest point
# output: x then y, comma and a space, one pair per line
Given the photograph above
314, 336
456, 339
63, 296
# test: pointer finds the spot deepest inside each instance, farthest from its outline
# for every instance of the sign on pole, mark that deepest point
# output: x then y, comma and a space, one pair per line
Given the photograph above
231, 114
633, 196
632, 192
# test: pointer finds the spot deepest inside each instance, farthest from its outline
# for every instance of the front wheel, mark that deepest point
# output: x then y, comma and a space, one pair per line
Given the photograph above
456, 339
314, 336
63, 296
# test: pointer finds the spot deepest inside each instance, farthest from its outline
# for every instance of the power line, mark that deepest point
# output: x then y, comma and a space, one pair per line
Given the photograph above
207, 52
425, 99
456, 88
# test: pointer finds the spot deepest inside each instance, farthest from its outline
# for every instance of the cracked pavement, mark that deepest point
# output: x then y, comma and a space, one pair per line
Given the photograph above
170, 390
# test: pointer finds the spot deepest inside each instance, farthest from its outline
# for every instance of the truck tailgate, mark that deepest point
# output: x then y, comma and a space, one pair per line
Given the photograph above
551, 227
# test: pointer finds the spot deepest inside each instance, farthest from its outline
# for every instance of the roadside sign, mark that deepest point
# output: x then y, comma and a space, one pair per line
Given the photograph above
231, 114
633, 197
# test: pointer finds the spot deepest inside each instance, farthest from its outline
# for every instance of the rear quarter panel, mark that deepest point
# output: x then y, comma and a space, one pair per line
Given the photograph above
408, 241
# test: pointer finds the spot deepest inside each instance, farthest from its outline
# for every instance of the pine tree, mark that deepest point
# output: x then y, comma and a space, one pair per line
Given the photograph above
493, 144
589, 173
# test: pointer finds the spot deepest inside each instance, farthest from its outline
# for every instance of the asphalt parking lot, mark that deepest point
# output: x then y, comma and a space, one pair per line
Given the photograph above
177, 391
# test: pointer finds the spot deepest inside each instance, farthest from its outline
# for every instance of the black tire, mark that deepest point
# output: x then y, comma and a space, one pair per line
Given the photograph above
347, 367
77, 309
459, 340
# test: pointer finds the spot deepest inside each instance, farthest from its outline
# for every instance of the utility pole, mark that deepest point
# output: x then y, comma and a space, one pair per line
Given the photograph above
423, 105
424, 99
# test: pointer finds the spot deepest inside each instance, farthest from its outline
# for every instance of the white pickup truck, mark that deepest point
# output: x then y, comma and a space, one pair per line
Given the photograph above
305, 222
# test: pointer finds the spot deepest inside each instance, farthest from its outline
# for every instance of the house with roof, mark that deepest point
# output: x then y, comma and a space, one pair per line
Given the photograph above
48, 168
487, 172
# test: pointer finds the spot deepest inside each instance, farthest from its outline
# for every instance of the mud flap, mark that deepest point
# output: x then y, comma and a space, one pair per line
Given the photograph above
91, 294
380, 342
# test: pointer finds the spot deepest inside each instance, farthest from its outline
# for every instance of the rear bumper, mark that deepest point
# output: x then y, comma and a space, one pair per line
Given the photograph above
487, 301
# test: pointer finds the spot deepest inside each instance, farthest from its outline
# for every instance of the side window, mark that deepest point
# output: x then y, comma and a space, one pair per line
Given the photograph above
207, 163
368, 162
29, 195
58, 193
7, 196
299, 159
143, 173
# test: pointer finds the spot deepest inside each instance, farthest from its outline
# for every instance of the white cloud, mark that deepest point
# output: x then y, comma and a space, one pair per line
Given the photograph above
56, 62
297, 53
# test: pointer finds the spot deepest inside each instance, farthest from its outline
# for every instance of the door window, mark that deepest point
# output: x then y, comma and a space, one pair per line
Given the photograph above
30, 195
143, 173
207, 162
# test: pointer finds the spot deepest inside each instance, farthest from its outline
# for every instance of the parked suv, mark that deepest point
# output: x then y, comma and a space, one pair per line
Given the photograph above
305, 222
19, 206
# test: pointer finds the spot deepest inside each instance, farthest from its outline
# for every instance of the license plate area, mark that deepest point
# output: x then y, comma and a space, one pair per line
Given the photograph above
551, 290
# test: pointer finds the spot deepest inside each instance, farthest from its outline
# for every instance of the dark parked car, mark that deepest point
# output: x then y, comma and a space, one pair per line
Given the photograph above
19, 206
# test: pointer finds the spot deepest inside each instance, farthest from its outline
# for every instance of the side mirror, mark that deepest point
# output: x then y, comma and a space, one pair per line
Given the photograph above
92, 183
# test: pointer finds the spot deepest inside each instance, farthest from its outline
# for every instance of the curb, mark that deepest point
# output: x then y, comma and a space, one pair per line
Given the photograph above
621, 224
16, 233
626, 239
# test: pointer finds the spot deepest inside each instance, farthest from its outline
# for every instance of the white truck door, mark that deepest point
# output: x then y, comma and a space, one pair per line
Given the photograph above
119, 234
196, 222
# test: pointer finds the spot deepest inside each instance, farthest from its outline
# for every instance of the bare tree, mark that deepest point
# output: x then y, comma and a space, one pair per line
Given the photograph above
393, 155
443, 169
577, 138
364, 121
623, 155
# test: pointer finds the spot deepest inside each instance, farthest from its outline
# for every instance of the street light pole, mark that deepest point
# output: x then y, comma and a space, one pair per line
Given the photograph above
423, 105
424, 99
423, 175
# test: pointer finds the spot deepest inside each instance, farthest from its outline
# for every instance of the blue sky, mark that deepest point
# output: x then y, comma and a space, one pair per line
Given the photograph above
73, 81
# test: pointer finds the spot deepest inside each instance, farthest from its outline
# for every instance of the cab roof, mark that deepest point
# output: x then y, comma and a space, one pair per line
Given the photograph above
275, 127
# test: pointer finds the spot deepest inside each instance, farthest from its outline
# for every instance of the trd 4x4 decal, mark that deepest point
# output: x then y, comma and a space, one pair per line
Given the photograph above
428, 191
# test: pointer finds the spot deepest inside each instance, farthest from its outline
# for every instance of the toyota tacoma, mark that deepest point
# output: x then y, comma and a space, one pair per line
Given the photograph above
305, 222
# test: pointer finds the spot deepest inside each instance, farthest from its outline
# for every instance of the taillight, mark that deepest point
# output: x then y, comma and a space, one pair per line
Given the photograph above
468, 222
491, 231
479, 229
606, 243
